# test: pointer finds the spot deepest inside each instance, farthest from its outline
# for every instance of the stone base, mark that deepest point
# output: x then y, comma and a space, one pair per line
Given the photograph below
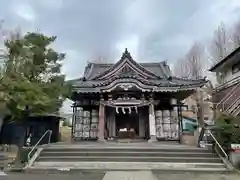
152, 139
235, 158
189, 138
101, 140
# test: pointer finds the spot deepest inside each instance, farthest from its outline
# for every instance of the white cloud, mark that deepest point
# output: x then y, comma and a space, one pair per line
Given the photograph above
66, 107
52, 4
131, 44
73, 64
24, 11
152, 30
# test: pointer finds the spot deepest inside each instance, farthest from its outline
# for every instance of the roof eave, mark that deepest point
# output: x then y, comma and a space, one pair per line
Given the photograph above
220, 63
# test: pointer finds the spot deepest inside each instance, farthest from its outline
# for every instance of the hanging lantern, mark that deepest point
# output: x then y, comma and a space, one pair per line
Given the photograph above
173, 101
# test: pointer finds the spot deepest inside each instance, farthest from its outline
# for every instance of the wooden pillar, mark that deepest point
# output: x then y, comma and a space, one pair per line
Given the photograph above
152, 124
180, 120
142, 121
73, 121
101, 125
175, 119
110, 118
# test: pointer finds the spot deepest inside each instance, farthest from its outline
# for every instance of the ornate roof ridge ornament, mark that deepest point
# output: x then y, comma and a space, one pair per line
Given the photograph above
126, 54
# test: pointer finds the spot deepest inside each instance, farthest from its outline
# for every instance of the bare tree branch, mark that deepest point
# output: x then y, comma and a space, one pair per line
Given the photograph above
195, 60
181, 69
220, 44
236, 35
220, 47
192, 66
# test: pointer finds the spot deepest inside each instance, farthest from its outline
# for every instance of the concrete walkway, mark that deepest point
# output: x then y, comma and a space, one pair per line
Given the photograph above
139, 175
129, 175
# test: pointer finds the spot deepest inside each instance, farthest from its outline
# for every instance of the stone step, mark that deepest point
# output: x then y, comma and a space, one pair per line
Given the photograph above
2, 173
128, 158
127, 149
135, 154
41, 167
3, 160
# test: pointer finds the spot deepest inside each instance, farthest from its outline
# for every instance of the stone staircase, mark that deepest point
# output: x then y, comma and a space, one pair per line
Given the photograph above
3, 160
133, 156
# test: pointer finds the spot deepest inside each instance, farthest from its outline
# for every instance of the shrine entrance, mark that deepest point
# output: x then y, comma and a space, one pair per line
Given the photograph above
127, 125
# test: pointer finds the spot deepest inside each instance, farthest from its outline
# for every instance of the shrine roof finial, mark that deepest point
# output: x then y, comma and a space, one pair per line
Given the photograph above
126, 54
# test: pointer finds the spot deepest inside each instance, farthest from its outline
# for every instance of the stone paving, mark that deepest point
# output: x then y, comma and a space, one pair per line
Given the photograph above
122, 176
72, 176
196, 176
129, 175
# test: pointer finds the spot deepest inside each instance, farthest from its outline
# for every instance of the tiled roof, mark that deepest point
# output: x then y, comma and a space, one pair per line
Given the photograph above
226, 59
155, 75
160, 69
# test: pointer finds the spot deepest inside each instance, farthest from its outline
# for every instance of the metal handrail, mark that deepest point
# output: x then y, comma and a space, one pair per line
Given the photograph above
231, 98
35, 146
234, 105
237, 112
236, 108
213, 137
216, 142
228, 96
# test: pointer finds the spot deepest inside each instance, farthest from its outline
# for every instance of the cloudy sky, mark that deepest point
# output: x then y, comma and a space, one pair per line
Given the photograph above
152, 30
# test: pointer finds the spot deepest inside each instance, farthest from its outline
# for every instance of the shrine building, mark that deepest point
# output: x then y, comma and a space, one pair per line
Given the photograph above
129, 100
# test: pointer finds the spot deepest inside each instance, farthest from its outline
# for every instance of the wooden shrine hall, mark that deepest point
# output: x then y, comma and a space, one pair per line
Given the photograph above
129, 100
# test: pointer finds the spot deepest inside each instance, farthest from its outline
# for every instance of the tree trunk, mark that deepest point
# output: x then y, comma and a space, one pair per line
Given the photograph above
200, 108
20, 145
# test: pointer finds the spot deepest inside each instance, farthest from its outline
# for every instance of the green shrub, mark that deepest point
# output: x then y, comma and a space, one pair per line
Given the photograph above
227, 131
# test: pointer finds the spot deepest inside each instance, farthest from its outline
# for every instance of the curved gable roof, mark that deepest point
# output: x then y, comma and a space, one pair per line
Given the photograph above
95, 71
